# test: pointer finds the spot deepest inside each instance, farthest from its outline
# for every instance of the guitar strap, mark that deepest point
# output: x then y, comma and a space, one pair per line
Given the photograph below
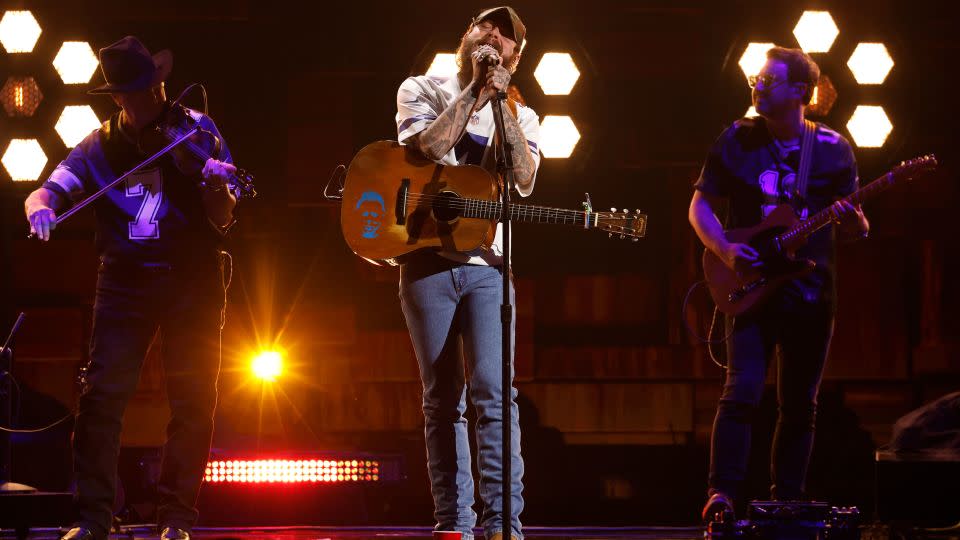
512, 104
806, 158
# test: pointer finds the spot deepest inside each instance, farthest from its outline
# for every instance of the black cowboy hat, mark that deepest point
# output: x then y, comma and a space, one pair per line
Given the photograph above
128, 66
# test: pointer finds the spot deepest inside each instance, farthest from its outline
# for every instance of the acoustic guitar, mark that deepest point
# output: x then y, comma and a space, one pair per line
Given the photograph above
395, 202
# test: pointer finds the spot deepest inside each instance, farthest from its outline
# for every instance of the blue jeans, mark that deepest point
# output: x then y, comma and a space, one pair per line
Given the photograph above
803, 331
453, 315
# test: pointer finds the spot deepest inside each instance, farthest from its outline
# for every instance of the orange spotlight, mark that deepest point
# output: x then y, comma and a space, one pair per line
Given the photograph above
267, 365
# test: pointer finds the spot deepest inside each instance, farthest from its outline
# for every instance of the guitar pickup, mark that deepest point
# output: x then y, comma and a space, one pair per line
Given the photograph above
740, 292
401, 208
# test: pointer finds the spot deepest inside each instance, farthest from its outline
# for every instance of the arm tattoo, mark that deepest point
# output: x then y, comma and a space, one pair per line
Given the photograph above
446, 130
523, 165
435, 141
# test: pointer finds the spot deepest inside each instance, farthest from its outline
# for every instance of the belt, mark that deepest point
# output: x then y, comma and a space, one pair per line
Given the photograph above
131, 264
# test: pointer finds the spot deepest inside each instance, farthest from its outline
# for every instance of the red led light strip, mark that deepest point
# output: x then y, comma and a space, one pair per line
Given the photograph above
291, 471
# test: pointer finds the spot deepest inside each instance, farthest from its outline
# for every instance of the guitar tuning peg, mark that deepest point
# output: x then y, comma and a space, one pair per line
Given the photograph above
634, 239
609, 235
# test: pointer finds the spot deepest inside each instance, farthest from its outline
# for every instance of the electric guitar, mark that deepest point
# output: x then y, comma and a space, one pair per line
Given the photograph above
395, 202
777, 239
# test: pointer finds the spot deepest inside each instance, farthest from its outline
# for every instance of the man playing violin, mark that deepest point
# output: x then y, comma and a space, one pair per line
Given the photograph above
158, 237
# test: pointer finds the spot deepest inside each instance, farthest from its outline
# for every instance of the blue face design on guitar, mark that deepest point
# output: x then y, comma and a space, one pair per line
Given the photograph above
371, 209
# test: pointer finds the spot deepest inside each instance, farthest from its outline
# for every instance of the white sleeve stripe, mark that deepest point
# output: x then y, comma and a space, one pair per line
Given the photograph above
64, 178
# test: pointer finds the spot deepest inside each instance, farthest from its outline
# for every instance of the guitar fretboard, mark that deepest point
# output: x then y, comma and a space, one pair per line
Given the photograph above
823, 218
623, 223
478, 208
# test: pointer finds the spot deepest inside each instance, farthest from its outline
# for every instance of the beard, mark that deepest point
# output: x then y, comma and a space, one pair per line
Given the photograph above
468, 45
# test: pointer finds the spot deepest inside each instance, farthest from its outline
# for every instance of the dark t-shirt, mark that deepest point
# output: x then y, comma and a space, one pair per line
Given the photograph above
755, 173
157, 214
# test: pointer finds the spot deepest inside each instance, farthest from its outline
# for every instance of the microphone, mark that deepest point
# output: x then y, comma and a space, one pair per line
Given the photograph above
491, 59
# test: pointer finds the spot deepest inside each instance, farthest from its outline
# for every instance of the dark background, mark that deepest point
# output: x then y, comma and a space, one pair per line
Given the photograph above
617, 398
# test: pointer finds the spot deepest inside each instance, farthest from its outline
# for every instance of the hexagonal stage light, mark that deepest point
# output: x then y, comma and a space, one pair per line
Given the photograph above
19, 31
20, 96
870, 63
75, 63
753, 58
869, 126
443, 65
75, 123
556, 73
824, 96
24, 160
558, 136
816, 31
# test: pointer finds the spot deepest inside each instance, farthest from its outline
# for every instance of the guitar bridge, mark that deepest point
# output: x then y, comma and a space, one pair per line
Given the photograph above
737, 294
401, 208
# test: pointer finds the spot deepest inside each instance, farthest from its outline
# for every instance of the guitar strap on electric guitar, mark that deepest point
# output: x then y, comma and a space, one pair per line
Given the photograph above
806, 158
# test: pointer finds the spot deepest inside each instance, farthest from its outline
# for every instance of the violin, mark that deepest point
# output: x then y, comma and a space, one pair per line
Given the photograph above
198, 145
178, 133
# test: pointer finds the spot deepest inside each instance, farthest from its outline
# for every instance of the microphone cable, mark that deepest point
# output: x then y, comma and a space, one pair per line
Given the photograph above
708, 340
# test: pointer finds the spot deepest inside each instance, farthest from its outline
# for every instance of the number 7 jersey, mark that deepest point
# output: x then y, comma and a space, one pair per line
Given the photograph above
155, 215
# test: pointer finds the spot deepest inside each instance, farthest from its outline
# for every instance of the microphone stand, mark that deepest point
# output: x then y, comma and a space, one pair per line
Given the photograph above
505, 168
6, 415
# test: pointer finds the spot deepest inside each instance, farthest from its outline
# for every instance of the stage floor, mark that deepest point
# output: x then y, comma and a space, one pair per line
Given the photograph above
145, 532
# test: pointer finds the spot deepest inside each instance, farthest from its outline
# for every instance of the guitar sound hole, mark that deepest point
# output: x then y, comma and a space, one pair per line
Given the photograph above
447, 206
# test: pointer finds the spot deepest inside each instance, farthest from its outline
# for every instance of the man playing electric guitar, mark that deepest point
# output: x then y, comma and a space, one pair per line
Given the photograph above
753, 168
